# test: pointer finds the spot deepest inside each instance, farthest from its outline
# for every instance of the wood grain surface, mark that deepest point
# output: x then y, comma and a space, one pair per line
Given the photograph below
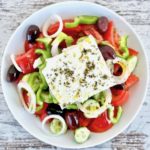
13, 136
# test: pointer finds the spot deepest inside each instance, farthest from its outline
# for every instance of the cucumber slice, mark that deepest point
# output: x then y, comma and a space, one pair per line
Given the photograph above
91, 108
132, 61
81, 135
56, 126
91, 105
100, 97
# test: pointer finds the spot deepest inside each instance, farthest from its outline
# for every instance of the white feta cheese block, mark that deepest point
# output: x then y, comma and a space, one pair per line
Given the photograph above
78, 73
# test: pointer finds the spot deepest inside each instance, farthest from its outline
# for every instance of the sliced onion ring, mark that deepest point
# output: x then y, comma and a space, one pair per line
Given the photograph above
37, 62
47, 24
64, 126
54, 49
13, 59
32, 106
126, 72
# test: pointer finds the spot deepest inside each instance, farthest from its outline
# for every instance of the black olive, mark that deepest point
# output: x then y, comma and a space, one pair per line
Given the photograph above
32, 33
102, 24
119, 87
12, 74
107, 52
54, 109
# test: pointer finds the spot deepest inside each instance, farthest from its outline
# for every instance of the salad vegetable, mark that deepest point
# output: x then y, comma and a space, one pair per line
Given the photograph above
81, 20
75, 74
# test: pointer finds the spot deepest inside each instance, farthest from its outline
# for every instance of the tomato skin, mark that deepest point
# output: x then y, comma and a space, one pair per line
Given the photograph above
132, 80
83, 121
109, 34
43, 110
116, 39
119, 97
28, 46
26, 60
42, 113
70, 31
42, 116
100, 124
91, 29
133, 52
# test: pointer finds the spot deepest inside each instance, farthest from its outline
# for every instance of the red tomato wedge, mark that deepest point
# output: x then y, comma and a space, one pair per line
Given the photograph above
26, 60
70, 31
100, 124
28, 46
133, 52
116, 39
83, 121
109, 34
42, 116
42, 113
43, 110
132, 80
119, 97
91, 30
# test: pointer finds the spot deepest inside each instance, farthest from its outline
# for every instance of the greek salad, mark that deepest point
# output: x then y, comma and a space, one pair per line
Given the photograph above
74, 74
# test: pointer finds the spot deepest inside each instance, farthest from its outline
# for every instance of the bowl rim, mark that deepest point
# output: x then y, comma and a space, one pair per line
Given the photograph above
139, 41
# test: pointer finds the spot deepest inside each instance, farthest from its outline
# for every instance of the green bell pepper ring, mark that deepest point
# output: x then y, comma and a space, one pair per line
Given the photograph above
46, 41
39, 107
81, 20
46, 97
72, 106
39, 100
44, 53
113, 119
123, 47
34, 80
43, 85
73, 24
62, 36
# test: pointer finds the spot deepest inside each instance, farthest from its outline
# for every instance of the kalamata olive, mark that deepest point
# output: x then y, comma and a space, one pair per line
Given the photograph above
119, 86
102, 24
32, 33
12, 74
107, 52
71, 118
54, 109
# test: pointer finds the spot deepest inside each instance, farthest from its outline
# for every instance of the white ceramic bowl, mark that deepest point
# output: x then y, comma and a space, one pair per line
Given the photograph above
70, 9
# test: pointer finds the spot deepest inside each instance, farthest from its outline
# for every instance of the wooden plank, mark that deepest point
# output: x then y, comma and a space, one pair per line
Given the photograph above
13, 136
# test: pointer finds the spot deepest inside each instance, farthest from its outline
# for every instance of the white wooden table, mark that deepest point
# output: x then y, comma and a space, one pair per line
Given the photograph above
13, 136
